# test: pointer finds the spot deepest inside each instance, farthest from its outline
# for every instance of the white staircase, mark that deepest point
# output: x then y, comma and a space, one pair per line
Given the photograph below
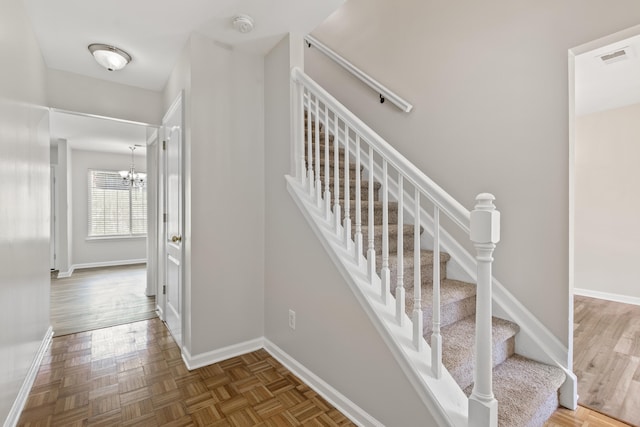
387, 228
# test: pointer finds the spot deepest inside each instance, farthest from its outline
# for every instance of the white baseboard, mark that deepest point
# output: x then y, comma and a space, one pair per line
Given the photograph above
63, 274
215, 356
607, 296
352, 411
23, 394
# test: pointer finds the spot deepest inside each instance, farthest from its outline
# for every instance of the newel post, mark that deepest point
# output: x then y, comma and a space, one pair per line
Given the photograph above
485, 233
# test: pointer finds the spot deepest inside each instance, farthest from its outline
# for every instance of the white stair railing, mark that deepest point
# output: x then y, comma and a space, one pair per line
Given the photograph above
412, 190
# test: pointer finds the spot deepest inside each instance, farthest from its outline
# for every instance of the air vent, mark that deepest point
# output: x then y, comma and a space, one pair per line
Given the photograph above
615, 56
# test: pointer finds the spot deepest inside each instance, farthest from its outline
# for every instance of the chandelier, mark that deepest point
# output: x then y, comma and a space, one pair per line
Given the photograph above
131, 177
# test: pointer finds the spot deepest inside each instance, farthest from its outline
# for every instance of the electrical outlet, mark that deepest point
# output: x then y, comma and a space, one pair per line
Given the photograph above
292, 319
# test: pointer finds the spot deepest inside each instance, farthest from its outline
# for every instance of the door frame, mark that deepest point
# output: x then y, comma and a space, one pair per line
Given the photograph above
572, 53
161, 212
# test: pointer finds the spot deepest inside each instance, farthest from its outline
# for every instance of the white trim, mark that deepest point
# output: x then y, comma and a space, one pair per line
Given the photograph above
97, 116
385, 92
342, 403
215, 356
63, 274
21, 400
443, 398
625, 299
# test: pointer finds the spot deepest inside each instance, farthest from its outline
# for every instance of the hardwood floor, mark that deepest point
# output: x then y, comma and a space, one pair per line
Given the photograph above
96, 298
582, 417
133, 375
607, 357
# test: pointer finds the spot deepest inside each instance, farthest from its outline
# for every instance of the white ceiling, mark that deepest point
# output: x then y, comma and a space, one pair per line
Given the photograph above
601, 86
154, 32
96, 133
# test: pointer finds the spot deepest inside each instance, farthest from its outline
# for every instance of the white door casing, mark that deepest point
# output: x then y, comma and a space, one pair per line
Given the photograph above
174, 224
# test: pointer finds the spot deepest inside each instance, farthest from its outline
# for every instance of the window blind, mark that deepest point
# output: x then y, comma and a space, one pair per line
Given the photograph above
115, 207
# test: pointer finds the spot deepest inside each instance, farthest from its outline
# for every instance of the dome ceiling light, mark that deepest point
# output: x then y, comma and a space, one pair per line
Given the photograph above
110, 57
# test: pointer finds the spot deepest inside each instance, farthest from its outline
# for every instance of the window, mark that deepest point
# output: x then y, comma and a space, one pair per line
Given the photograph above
116, 209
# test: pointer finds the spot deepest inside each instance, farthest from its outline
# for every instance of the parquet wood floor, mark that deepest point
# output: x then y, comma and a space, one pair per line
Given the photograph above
96, 298
133, 375
606, 357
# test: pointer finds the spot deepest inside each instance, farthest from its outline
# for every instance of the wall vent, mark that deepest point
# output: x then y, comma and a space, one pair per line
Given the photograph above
615, 56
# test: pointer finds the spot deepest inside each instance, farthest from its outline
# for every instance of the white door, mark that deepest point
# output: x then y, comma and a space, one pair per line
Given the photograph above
173, 197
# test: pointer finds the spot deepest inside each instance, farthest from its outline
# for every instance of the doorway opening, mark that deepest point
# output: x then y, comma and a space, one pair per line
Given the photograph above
103, 222
604, 231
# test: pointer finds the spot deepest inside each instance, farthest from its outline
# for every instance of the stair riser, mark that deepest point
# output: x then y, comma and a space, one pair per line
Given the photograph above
364, 194
407, 242
322, 152
449, 313
501, 351
377, 213
341, 171
426, 274
321, 137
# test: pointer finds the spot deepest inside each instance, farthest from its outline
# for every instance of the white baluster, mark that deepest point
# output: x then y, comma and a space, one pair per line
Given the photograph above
299, 135
400, 285
358, 234
347, 195
385, 274
317, 146
418, 341
336, 174
371, 251
327, 184
436, 337
484, 233
310, 175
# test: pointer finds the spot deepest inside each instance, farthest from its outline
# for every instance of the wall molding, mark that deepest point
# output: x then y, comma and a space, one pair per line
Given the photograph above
607, 296
330, 394
215, 356
64, 274
23, 393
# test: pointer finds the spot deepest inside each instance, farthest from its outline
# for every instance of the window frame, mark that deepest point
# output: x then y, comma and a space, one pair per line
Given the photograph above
114, 236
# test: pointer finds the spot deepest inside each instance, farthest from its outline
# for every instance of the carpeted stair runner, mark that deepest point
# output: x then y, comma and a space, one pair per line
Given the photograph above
526, 390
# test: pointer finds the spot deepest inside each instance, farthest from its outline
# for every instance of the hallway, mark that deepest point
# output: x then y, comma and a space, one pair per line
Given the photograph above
100, 297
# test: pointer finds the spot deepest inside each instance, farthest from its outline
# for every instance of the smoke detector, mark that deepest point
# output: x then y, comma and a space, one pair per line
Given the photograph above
616, 55
243, 23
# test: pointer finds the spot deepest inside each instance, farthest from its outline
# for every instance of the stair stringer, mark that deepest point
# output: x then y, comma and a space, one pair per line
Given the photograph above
534, 340
442, 397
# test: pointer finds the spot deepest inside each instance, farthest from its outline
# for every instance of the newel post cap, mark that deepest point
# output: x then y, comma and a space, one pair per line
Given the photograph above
485, 220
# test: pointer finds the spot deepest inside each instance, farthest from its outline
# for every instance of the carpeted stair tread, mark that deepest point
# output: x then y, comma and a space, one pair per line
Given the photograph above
377, 211
426, 266
526, 390
458, 346
321, 135
457, 301
407, 242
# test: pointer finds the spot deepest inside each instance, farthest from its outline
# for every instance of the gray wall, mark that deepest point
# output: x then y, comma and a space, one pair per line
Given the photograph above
24, 202
607, 203
333, 338
224, 194
74, 92
489, 82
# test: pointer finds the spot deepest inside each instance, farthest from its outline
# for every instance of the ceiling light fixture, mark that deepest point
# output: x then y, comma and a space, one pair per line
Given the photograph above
110, 57
243, 23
